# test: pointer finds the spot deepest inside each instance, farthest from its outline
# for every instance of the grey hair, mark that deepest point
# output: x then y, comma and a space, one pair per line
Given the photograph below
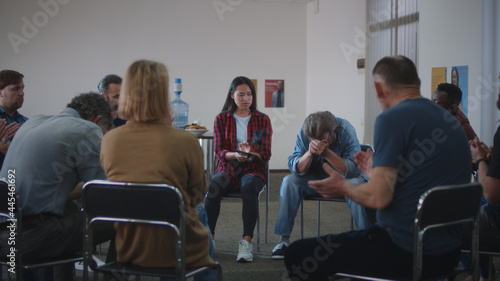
319, 123
91, 105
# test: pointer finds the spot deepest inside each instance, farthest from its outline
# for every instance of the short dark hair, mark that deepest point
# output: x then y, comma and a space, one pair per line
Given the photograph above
453, 92
9, 77
90, 105
103, 85
396, 71
230, 105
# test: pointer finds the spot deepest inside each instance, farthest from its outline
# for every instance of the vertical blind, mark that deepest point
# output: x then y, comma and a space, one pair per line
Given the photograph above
392, 28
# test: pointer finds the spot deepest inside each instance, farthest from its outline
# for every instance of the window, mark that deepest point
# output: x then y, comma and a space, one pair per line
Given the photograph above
392, 28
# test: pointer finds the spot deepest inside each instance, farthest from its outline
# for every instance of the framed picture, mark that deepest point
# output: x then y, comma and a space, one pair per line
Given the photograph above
275, 93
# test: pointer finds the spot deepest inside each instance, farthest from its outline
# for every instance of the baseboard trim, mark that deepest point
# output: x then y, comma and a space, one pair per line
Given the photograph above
279, 170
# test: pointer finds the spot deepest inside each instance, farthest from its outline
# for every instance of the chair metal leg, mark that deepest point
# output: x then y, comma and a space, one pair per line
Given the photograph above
352, 222
267, 210
258, 222
258, 230
219, 273
302, 219
491, 267
319, 216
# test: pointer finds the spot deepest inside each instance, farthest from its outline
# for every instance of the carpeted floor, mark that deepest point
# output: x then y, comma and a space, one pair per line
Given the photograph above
335, 218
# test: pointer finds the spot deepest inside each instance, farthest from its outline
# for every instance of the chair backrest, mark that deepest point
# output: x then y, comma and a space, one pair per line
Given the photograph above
158, 204
132, 200
445, 206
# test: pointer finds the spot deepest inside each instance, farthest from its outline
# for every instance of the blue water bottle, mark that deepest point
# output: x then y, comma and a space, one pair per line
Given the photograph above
180, 109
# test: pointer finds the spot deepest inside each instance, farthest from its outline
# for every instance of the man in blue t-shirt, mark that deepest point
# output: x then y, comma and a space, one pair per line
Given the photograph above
415, 149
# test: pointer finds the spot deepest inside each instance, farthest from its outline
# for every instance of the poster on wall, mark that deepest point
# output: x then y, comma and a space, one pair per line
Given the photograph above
460, 78
275, 93
438, 76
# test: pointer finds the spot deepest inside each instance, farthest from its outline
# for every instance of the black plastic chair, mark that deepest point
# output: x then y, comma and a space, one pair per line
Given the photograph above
491, 265
490, 254
319, 198
155, 204
440, 207
10, 209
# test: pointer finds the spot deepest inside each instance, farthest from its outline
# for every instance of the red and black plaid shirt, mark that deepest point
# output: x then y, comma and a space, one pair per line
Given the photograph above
259, 135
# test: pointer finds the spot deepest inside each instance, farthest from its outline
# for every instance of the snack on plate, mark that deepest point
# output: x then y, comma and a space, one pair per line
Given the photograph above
195, 127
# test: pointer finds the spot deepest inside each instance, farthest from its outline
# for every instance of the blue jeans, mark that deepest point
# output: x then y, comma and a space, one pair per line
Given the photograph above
211, 274
292, 191
368, 252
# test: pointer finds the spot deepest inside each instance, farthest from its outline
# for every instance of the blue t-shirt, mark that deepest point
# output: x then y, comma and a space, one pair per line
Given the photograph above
429, 148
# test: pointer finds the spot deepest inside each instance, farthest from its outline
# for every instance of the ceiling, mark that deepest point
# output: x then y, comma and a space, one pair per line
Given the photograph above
283, 1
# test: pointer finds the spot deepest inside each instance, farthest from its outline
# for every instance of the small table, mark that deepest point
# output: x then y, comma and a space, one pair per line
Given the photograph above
207, 144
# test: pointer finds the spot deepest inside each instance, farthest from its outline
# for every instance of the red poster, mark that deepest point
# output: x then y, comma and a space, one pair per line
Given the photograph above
275, 93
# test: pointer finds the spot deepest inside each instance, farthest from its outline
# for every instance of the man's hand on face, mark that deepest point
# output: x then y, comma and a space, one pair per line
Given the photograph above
318, 147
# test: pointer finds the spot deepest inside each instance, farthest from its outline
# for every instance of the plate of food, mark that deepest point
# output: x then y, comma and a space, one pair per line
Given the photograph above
196, 129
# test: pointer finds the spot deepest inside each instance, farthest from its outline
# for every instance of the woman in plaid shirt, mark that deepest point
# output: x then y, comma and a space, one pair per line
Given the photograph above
240, 127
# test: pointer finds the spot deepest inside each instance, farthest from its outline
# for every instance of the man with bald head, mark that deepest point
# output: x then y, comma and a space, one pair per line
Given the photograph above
415, 150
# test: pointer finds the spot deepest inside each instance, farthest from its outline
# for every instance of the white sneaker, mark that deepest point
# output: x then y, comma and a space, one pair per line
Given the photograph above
244, 252
79, 264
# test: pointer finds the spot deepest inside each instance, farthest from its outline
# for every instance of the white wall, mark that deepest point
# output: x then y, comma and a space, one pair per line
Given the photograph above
490, 115
314, 51
77, 42
450, 35
335, 40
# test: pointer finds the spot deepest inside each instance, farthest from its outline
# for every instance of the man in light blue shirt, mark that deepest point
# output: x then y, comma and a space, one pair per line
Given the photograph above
323, 138
50, 159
